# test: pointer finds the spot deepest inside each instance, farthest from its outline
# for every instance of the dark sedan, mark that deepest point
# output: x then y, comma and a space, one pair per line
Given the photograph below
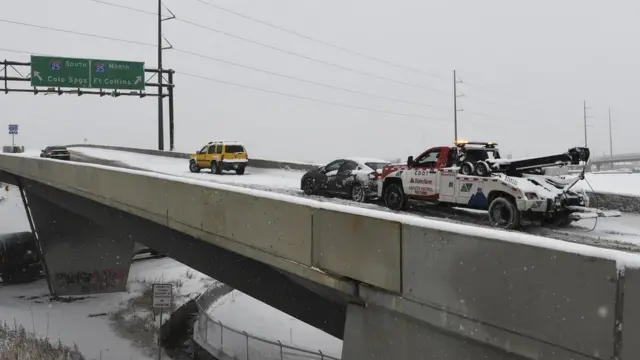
19, 259
353, 178
56, 152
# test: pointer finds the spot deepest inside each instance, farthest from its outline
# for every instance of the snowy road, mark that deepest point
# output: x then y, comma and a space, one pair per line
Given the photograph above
617, 233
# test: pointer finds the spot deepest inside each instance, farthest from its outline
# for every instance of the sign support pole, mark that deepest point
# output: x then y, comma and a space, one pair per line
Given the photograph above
160, 335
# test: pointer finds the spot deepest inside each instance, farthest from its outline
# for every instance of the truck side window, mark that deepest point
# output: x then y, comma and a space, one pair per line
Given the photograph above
211, 148
429, 159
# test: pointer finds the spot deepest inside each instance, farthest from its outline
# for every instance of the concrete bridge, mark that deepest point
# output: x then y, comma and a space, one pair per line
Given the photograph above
391, 288
610, 160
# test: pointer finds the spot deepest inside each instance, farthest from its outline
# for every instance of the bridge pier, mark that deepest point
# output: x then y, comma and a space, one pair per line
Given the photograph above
376, 333
80, 256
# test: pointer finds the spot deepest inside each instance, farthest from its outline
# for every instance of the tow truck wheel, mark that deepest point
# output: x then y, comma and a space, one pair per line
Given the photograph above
504, 214
482, 169
193, 167
467, 168
394, 197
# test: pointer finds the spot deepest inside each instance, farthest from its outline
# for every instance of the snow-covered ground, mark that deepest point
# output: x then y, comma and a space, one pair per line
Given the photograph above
96, 337
86, 322
613, 183
242, 312
621, 233
260, 178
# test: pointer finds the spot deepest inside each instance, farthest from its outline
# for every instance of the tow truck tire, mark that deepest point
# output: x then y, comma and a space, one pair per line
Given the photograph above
467, 168
483, 169
193, 167
504, 214
394, 197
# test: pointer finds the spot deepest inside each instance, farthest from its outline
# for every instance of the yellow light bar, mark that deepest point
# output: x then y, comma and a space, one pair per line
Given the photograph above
460, 142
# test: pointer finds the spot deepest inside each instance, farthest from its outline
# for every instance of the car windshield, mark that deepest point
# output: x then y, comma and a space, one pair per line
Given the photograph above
234, 149
376, 165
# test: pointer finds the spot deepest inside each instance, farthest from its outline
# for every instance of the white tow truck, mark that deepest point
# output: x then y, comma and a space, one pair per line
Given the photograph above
472, 175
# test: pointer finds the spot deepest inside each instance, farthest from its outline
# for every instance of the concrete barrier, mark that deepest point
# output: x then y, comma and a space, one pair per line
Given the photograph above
515, 287
625, 203
257, 163
630, 323
546, 296
358, 247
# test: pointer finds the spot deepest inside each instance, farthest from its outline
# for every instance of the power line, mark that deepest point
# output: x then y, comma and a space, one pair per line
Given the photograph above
326, 43
307, 81
309, 98
226, 62
292, 53
77, 33
324, 62
126, 7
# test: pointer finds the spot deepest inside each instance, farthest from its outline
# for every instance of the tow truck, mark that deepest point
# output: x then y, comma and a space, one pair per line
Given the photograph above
473, 175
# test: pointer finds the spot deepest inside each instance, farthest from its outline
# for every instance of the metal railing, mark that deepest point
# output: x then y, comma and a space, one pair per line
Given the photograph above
226, 342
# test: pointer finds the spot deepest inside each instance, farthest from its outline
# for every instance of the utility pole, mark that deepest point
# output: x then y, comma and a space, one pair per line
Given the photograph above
161, 78
610, 136
455, 106
585, 122
160, 90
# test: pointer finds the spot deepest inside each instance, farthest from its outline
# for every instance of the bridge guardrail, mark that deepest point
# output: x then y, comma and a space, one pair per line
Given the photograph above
258, 163
225, 342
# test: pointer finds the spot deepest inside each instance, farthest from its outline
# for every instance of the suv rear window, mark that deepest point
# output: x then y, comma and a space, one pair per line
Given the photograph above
375, 166
234, 149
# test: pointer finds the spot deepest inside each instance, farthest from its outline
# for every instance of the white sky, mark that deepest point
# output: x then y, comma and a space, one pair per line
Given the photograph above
540, 59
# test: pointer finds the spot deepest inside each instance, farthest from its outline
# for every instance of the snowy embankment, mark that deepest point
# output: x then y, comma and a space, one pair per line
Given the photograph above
612, 183
105, 326
242, 312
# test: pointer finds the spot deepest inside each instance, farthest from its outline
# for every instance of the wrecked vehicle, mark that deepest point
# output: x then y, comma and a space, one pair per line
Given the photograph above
19, 257
354, 178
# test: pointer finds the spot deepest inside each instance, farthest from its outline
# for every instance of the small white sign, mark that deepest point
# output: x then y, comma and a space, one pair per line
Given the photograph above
162, 296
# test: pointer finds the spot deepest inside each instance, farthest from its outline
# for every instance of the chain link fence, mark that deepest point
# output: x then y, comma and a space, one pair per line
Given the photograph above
228, 343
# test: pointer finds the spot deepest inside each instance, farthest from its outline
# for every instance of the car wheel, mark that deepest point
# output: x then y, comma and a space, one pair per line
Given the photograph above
193, 167
309, 187
215, 168
240, 170
357, 193
394, 197
467, 168
504, 214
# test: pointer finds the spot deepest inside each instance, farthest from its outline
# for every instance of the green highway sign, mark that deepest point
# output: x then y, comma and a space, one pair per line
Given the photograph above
86, 73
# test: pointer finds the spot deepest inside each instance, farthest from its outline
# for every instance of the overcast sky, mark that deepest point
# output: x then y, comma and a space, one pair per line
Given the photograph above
526, 68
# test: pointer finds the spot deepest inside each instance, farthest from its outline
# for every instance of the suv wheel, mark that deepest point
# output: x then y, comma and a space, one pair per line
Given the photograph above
215, 168
240, 170
193, 167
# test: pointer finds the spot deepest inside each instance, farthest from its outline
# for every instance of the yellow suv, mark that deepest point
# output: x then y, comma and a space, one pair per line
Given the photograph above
219, 156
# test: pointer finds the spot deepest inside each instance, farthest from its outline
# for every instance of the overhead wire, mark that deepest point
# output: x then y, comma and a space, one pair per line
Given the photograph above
323, 42
203, 56
288, 52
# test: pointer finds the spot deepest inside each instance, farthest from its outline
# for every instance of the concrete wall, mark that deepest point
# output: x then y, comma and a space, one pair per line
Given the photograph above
258, 163
81, 256
619, 202
535, 302
375, 333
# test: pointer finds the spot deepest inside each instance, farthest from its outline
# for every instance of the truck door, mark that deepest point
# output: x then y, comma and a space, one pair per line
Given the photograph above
422, 178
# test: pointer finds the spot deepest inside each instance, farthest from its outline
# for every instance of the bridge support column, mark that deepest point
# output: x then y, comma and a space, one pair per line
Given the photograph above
375, 333
81, 257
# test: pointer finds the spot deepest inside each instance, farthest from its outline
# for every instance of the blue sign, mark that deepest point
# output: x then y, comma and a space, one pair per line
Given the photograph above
55, 65
100, 67
13, 129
